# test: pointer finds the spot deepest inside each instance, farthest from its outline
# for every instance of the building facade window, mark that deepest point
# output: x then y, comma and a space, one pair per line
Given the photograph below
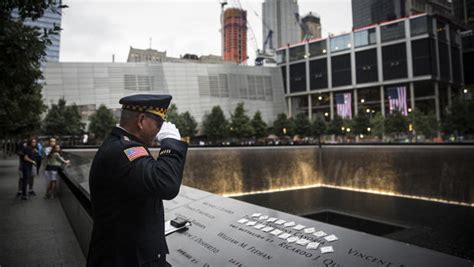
456, 64
318, 71
369, 100
443, 52
341, 43
321, 105
366, 66
298, 77
318, 48
394, 58
299, 104
281, 56
420, 25
297, 53
441, 30
393, 31
366, 37
425, 96
341, 70
402, 98
424, 57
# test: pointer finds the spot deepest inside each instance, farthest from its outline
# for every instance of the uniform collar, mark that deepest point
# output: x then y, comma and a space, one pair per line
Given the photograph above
120, 132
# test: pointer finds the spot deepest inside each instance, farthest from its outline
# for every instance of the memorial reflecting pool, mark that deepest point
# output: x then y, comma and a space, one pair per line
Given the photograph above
422, 195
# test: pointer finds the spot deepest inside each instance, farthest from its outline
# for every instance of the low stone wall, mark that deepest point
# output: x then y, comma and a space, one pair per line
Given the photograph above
437, 172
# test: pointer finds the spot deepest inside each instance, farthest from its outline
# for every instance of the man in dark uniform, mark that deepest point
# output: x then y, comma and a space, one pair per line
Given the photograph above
127, 185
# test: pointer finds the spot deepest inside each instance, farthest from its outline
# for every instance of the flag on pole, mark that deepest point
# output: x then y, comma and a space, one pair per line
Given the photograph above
344, 105
397, 99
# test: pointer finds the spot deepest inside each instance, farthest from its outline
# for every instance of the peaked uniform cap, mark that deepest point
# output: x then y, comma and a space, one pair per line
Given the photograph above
154, 104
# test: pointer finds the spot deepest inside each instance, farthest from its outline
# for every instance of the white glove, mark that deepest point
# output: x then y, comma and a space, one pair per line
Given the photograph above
168, 130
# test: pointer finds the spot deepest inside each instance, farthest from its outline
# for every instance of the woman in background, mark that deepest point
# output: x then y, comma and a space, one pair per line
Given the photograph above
53, 165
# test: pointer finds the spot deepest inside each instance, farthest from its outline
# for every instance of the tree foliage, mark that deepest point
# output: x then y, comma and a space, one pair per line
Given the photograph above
63, 120
215, 125
319, 126
361, 123
22, 51
172, 114
335, 126
396, 123
258, 125
101, 122
240, 126
302, 125
425, 124
378, 125
283, 125
187, 124
460, 118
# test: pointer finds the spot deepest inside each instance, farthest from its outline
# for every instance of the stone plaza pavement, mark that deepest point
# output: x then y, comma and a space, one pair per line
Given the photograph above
33, 232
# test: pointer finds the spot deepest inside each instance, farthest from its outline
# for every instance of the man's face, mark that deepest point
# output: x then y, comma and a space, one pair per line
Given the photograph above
151, 125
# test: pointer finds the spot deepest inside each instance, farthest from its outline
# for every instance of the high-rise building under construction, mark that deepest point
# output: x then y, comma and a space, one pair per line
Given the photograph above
235, 35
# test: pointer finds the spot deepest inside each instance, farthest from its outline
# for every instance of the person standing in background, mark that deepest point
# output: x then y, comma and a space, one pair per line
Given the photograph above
19, 151
49, 148
39, 154
27, 168
54, 161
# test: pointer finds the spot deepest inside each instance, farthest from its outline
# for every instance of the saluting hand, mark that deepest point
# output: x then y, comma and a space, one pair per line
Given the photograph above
168, 130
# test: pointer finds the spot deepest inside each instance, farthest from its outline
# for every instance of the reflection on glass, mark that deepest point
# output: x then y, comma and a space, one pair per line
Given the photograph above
341, 43
317, 48
419, 26
281, 56
441, 30
297, 53
393, 31
366, 37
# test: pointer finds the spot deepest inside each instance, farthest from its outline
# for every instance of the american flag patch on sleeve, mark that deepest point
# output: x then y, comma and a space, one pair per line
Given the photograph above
135, 152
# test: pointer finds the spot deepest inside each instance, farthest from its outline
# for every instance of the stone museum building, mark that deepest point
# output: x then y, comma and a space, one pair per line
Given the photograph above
195, 87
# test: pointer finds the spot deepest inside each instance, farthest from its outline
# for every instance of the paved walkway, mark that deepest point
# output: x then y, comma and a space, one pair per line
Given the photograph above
33, 232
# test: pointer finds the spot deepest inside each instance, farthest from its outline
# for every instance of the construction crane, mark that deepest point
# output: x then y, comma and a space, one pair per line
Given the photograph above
263, 55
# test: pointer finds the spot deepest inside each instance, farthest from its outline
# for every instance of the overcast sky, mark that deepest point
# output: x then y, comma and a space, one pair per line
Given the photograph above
93, 30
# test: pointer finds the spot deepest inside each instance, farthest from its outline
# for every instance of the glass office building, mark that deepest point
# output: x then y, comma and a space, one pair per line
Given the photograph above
50, 19
421, 54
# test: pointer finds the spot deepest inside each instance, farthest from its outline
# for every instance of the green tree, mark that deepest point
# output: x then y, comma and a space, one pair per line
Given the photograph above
258, 125
63, 120
240, 125
22, 51
302, 125
101, 122
361, 123
425, 124
283, 126
172, 114
460, 119
396, 123
188, 124
215, 125
318, 127
378, 125
336, 125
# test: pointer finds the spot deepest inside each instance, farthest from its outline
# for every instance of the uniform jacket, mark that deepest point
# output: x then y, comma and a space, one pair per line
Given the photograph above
126, 194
